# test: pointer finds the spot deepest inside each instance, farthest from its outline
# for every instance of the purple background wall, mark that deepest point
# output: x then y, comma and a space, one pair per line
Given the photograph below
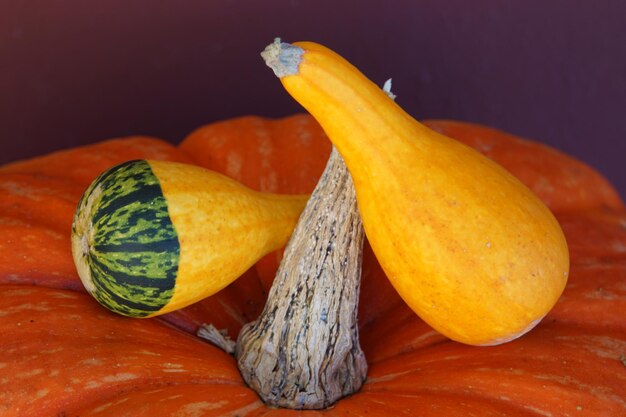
74, 72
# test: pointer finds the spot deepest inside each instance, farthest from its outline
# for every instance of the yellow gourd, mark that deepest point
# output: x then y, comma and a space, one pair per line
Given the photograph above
150, 237
467, 246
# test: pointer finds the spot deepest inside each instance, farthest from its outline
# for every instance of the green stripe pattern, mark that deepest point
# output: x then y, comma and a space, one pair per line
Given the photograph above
133, 249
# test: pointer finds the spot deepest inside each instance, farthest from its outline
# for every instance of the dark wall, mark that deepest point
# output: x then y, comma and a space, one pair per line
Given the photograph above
74, 72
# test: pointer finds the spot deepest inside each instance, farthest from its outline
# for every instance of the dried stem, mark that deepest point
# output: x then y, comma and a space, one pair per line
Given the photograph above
303, 351
217, 337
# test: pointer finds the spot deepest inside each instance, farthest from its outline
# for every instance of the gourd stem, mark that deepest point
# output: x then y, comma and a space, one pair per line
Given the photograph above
303, 351
283, 58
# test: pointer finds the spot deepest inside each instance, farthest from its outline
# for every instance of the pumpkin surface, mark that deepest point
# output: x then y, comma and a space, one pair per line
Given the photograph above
62, 354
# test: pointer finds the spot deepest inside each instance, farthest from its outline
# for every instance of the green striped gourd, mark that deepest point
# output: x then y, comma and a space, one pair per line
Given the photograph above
150, 237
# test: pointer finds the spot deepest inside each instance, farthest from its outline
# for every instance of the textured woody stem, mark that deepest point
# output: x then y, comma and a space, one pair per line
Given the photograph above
303, 351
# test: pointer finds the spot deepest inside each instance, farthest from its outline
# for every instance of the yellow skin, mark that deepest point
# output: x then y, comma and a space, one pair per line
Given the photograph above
468, 247
223, 228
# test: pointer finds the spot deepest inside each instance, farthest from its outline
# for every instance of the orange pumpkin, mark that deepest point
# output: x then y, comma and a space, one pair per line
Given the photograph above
62, 354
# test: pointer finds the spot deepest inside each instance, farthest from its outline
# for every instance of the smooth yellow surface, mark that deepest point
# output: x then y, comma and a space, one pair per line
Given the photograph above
223, 227
469, 248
